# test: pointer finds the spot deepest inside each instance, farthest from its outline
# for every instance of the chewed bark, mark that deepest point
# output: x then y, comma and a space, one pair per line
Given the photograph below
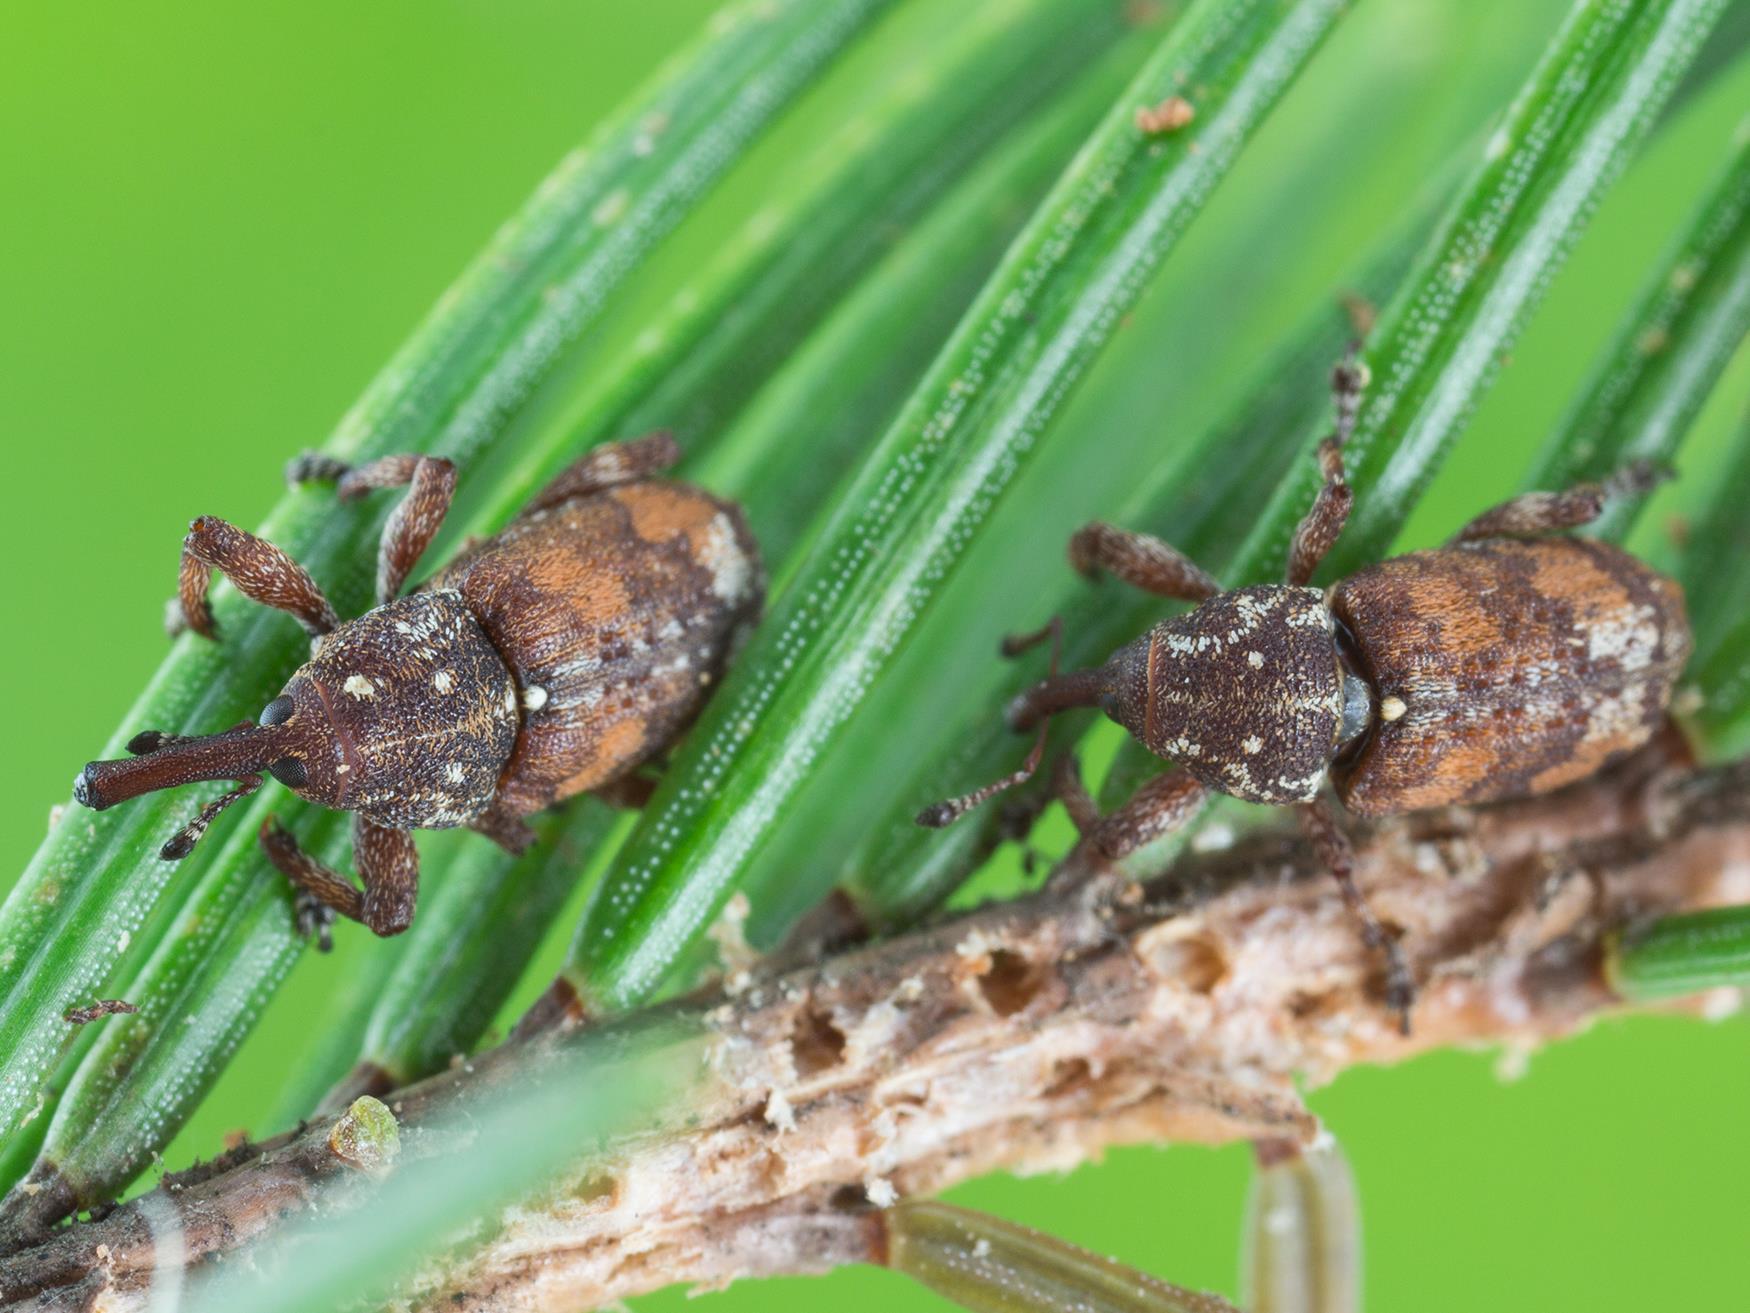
1028, 1035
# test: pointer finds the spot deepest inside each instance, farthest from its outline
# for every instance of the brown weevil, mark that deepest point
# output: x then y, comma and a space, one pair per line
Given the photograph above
1504, 664
554, 658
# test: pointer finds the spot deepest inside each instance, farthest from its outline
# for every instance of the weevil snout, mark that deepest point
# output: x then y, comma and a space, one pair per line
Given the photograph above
168, 761
280, 742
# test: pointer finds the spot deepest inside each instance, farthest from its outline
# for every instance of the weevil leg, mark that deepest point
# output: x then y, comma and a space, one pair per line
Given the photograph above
321, 891
413, 523
1318, 532
607, 466
389, 869
313, 920
261, 572
314, 467
1323, 523
1067, 787
1533, 514
1338, 855
1348, 383
352, 482
508, 831
1013, 645
628, 793
1037, 705
1162, 805
1015, 823
388, 864
1141, 561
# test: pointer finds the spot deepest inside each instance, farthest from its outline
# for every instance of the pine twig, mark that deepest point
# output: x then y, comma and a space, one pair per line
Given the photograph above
1024, 1035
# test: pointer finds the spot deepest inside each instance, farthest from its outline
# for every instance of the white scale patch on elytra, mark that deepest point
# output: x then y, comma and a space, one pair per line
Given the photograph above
586, 665
1630, 638
443, 681
731, 571
1613, 717
454, 773
358, 686
1427, 688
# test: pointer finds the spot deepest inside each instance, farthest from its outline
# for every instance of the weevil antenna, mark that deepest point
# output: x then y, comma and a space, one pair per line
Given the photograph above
181, 844
1053, 694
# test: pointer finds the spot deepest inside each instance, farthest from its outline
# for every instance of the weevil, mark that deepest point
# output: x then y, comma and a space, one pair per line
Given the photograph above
1509, 662
552, 659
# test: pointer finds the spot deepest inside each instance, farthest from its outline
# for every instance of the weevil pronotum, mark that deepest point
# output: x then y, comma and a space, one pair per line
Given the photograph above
551, 659
1504, 664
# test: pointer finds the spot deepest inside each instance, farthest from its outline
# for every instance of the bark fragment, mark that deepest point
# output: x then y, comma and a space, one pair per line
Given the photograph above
1028, 1036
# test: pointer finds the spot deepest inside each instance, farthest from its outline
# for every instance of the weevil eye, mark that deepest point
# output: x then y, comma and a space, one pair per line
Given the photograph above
290, 772
277, 712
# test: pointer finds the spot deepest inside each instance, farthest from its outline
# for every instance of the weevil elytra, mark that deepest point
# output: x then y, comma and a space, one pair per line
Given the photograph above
1507, 663
552, 659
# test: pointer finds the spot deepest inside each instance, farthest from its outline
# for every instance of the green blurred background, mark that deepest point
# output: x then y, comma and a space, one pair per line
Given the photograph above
218, 221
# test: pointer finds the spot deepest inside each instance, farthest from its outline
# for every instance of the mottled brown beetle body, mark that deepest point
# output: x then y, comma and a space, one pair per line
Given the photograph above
1505, 668
1504, 664
1520, 666
553, 658
614, 614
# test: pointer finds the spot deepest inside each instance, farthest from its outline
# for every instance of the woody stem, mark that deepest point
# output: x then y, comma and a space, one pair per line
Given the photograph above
1022, 1034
